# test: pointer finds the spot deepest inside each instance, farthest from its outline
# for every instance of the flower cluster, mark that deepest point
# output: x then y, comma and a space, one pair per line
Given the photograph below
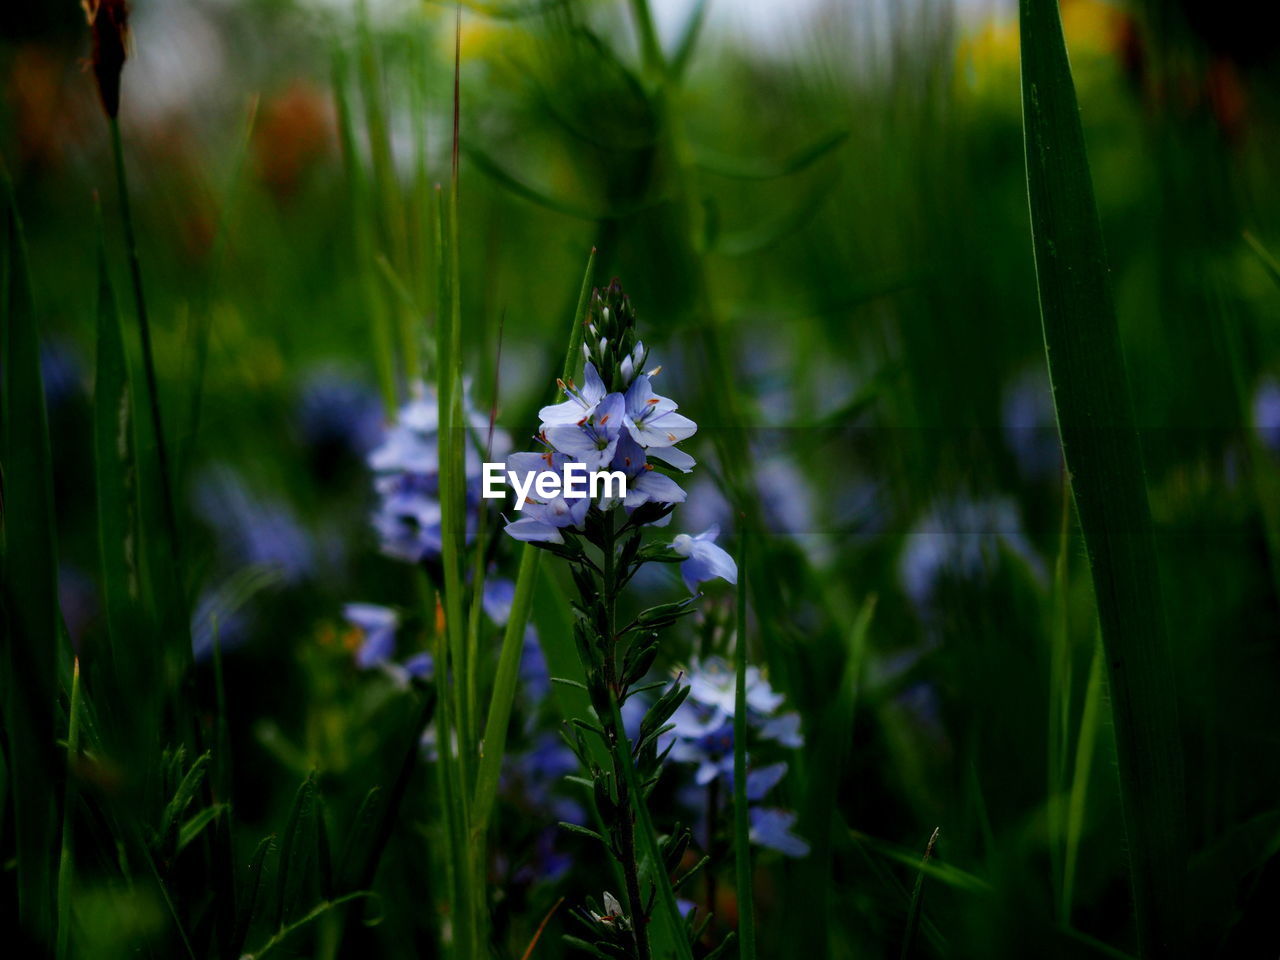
702, 735
615, 421
407, 465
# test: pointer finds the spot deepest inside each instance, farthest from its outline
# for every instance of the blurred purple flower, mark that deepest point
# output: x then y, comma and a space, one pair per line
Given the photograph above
962, 538
1030, 425
62, 372
1266, 414
406, 464
252, 530
337, 414
218, 613
771, 828
378, 625
702, 735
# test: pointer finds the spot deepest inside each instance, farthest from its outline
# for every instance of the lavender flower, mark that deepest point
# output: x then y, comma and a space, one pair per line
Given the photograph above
703, 736
705, 560
615, 421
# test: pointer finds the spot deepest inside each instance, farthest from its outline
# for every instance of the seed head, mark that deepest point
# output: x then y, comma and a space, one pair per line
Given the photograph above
109, 20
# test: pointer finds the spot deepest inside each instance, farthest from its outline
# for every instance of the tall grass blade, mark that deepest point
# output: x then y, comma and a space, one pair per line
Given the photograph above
1100, 443
357, 200
116, 472
30, 636
168, 511
66, 868
741, 820
1090, 727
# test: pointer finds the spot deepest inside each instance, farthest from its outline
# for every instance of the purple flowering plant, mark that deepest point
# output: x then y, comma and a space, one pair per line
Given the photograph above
617, 421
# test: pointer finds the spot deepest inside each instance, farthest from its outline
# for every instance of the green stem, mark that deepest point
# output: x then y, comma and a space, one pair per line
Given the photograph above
144, 332
624, 829
741, 820
650, 50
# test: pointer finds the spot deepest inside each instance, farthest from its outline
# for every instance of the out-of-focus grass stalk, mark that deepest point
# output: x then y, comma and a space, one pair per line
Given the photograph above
1266, 481
1101, 446
383, 354
116, 472
144, 333
452, 436
451, 669
203, 320
741, 819
387, 187
504, 684
65, 868
650, 51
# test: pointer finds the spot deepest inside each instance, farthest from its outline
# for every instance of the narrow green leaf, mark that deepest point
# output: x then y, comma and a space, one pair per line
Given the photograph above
196, 824
1269, 263
539, 197
723, 165
311, 916
249, 894
183, 796
668, 934
296, 849
1103, 454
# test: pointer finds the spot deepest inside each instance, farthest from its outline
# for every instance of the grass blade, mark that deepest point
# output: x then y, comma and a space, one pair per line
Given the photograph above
917, 902
169, 514
1090, 727
504, 686
1100, 443
65, 866
31, 635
